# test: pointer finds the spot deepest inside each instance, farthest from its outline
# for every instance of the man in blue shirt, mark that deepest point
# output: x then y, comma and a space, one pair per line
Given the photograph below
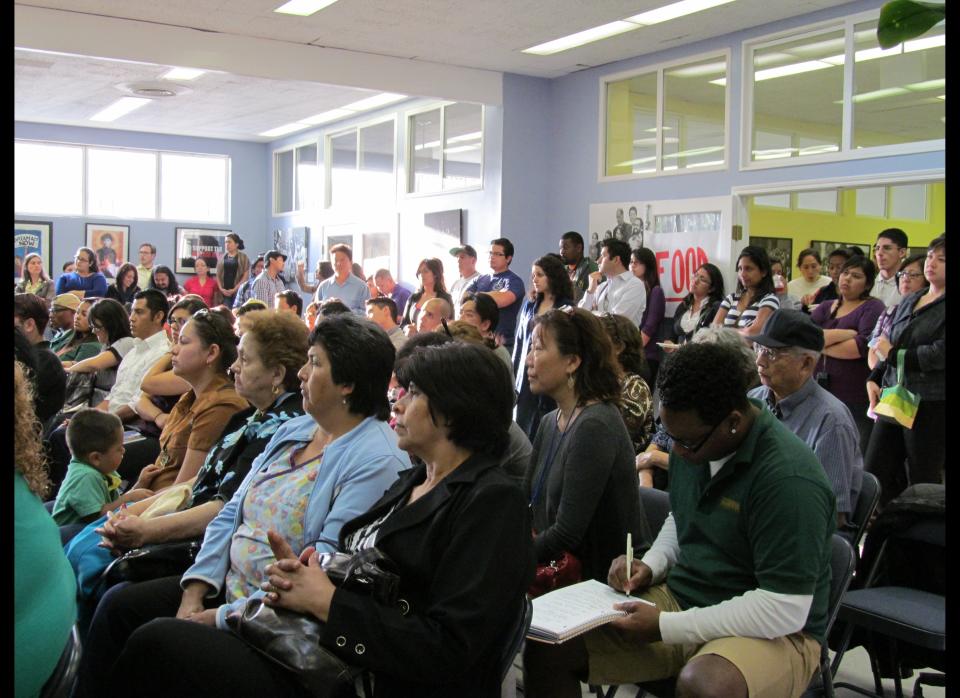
350, 289
505, 287
788, 349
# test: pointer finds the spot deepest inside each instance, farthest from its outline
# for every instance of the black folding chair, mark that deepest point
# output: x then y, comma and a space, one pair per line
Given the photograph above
61, 681
867, 502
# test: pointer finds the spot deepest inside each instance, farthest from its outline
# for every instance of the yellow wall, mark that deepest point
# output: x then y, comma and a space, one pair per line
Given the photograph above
846, 226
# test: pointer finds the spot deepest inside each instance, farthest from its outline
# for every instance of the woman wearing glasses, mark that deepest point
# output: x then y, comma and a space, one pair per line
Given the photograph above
581, 483
910, 279
700, 306
87, 280
111, 326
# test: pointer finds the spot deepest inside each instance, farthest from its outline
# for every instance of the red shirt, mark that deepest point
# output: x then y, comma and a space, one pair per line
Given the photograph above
206, 291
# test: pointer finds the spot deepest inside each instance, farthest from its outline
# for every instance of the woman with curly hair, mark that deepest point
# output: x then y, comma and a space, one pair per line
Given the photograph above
550, 287
44, 589
636, 400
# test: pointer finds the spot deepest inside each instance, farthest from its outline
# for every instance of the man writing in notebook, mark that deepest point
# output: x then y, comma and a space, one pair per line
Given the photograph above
740, 571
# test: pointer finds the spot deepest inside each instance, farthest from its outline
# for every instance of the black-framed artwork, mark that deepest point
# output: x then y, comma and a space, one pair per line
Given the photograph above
825, 247
295, 243
109, 242
32, 237
198, 242
777, 249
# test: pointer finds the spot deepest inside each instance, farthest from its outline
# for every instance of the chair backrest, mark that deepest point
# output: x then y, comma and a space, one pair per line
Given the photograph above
517, 635
655, 505
867, 502
843, 560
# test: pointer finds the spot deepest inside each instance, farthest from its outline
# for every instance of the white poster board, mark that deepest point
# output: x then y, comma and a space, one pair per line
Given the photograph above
683, 234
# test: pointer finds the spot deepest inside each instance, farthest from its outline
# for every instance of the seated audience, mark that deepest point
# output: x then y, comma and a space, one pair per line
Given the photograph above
287, 493
462, 572
201, 283
34, 279
110, 323
44, 590
62, 311
311, 313
581, 482
332, 306
698, 309
788, 350
622, 293
30, 317
550, 287
847, 323
755, 299
636, 401
289, 301
92, 485
245, 289
205, 349
146, 323
87, 280
644, 265
83, 344
919, 330
383, 312
164, 280
224, 312
481, 311
126, 286
431, 316
740, 598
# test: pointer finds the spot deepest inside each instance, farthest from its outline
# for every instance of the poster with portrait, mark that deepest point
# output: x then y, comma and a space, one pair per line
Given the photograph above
109, 243
31, 237
295, 243
780, 249
199, 242
682, 234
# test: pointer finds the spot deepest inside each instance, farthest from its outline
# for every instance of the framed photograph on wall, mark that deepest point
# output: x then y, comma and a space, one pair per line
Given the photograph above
29, 237
295, 243
198, 242
109, 242
374, 243
777, 248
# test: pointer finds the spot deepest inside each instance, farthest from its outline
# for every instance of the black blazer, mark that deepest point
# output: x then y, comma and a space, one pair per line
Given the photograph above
465, 556
708, 311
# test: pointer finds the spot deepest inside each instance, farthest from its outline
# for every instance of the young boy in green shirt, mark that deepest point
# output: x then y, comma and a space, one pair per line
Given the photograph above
91, 487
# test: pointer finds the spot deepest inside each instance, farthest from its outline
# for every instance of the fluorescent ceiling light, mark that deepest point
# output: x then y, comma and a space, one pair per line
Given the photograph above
473, 136
674, 10
927, 85
696, 71
304, 8
587, 36
924, 44
121, 107
711, 163
462, 148
943, 97
817, 149
427, 146
284, 130
877, 94
182, 74
324, 117
379, 100
695, 151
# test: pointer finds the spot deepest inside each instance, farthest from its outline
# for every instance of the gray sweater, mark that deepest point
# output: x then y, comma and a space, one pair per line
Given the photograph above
589, 500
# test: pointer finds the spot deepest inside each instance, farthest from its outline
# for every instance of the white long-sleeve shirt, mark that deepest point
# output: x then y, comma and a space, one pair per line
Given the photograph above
623, 294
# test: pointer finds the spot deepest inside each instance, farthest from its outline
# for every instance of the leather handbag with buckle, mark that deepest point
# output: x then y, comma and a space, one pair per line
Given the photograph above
563, 571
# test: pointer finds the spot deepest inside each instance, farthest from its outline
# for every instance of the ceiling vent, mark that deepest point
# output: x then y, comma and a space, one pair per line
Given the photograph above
153, 90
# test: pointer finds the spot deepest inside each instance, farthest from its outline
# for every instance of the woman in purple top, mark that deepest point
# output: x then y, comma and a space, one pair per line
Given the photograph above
643, 264
847, 323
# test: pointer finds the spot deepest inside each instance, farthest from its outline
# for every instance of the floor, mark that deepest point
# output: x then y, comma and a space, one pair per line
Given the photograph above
855, 669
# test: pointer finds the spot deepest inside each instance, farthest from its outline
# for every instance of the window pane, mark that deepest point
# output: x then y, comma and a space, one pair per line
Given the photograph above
909, 201
309, 186
798, 93
376, 162
424, 138
773, 200
193, 188
872, 201
121, 183
825, 201
694, 102
283, 181
343, 167
48, 179
463, 149
632, 125
899, 95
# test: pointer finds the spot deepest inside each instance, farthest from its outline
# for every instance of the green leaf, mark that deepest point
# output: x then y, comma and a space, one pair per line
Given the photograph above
901, 20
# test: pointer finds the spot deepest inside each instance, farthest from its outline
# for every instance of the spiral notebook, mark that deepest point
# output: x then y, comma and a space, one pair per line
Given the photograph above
573, 610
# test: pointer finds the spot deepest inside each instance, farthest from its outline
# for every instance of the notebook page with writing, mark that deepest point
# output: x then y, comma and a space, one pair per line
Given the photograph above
573, 610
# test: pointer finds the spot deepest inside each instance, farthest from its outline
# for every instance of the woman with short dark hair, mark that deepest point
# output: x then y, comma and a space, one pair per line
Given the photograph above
581, 482
201, 283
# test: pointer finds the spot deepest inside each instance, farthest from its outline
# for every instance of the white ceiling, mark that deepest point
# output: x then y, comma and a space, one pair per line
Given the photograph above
278, 68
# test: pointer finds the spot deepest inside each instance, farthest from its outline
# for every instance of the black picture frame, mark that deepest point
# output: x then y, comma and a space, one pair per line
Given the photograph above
29, 237
198, 242
777, 248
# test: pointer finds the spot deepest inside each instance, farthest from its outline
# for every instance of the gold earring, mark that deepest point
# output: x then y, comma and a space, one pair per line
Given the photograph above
276, 389
570, 381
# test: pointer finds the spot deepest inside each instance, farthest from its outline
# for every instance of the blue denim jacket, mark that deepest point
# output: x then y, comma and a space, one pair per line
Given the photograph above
357, 468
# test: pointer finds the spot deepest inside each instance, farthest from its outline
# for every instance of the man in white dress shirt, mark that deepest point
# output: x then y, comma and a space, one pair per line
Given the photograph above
889, 252
622, 293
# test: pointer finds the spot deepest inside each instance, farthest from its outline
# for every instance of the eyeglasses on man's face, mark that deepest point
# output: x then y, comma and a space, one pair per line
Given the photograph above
771, 354
491, 253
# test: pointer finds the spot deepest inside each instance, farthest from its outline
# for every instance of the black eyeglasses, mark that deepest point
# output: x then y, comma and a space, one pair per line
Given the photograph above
693, 448
909, 275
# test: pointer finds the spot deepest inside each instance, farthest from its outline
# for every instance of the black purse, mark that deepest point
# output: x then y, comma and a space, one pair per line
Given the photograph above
292, 639
152, 562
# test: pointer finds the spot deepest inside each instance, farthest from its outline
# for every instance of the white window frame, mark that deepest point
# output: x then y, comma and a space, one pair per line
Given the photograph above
292, 147
659, 68
328, 155
408, 165
86, 146
83, 180
845, 153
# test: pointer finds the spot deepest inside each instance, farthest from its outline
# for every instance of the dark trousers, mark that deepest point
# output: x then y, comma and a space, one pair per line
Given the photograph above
923, 448
137, 455
863, 422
